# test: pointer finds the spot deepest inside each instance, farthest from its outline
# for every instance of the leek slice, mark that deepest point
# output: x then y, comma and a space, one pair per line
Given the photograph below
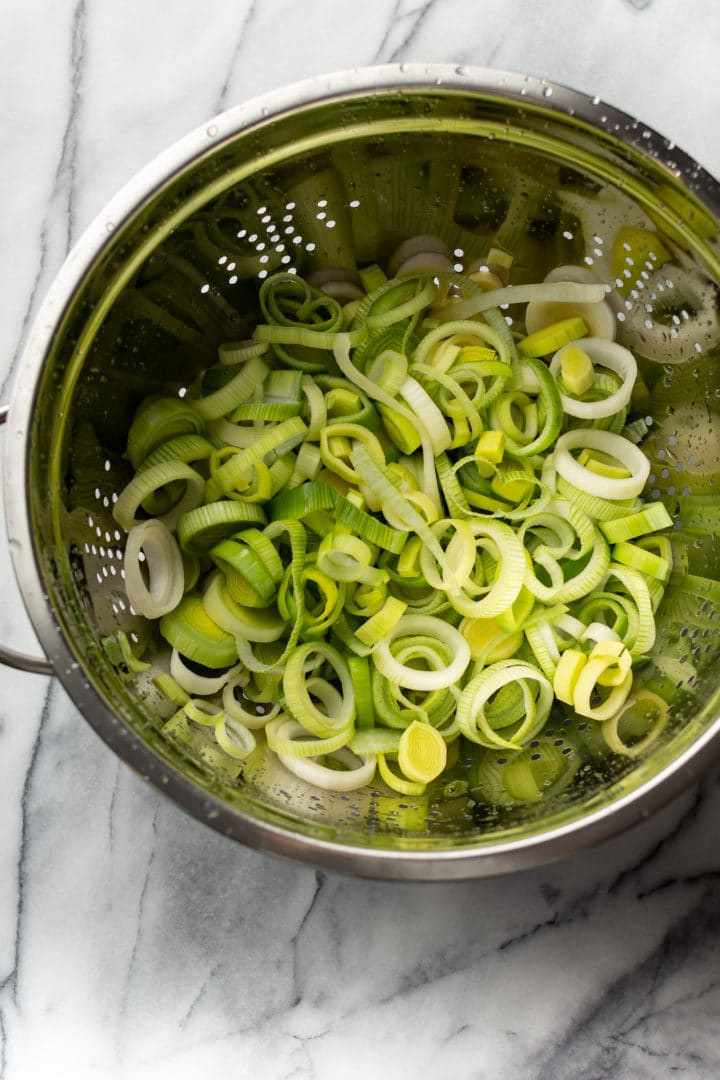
472, 707
239, 389
651, 518
287, 737
257, 715
619, 448
422, 753
192, 682
297, 695
359, 669
151, 480
350, 778
164, 569
642, 718
200, 529
552, 337
442, 673
158, 420
398, 783
234, 738
560, 292
439, 555
602, 354
251, 623
190, 630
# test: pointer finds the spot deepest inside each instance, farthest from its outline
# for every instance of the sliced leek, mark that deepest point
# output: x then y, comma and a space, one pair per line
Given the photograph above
455, 543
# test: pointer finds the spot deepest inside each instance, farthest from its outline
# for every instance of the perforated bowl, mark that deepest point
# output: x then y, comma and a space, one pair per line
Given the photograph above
336, 172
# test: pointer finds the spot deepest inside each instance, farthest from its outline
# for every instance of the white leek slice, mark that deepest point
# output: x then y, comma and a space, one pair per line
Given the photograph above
193, 683
427, 413
351, 778
234, 738
150, 480
287, 737
618, 447
255, 720
297, 690
607, 354
573, 297
645, 706
424, 244
598, 314
471, 715
412, 678
163, 569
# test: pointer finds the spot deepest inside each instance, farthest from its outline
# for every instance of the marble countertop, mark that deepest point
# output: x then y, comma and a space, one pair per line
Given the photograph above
134, 942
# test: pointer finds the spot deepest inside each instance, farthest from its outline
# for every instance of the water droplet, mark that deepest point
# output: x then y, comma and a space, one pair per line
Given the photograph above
212, 131
109, 226
547, 91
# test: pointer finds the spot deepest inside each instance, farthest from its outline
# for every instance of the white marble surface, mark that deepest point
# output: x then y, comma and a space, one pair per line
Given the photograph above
134, 942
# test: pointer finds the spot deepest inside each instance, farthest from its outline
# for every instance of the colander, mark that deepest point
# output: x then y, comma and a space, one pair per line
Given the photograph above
335, 173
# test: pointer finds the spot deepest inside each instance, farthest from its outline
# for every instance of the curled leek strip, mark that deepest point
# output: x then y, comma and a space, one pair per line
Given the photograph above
607, 354
597, 314
297, 691
163, 567
185, 448
560, 292
377, 393
588, 683
395, 782
617, 447
202, 712
250, 623
433, 629
508, 555
146, 483
298, 546
254, 718
280, 438
234, 738
472, 706
634, 584
239, 389
192, 682
287, 737
644, 711
158, 420
548, 556
358, 770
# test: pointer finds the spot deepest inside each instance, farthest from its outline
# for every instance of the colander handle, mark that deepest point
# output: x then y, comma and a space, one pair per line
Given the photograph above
39, 665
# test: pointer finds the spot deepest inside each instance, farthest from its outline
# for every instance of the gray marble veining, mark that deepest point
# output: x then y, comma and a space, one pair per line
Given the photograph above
136, 943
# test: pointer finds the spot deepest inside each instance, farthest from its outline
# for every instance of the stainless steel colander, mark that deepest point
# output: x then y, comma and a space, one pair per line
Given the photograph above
333, 173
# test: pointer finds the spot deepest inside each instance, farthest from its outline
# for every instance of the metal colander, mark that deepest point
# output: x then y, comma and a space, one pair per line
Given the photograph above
332, 174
